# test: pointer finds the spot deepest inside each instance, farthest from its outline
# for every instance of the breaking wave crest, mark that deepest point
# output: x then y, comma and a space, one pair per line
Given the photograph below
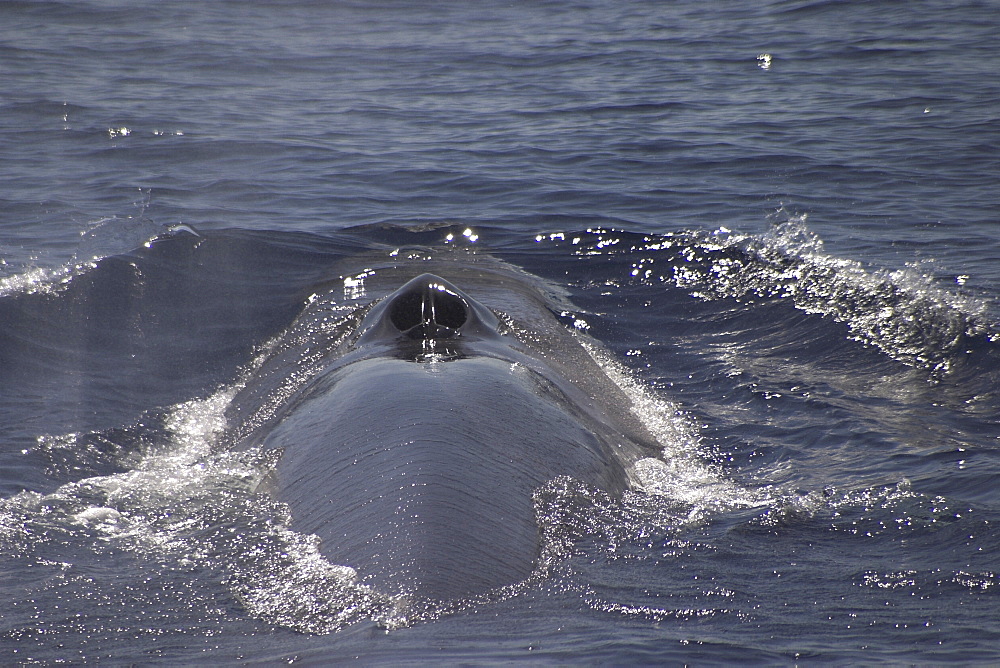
904, 313
100, 239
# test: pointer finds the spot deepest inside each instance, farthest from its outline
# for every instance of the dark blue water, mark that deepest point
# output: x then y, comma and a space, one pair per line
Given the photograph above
780, 219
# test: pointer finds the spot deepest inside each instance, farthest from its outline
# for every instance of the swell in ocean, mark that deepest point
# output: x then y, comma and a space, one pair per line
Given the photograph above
827, 424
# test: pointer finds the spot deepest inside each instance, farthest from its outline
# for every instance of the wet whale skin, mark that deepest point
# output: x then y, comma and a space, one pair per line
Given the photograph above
414, 450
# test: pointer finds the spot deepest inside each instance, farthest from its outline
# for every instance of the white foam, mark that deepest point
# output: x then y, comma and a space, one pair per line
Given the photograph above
43, 280
188, 503
683, 472
101, 238
905, 313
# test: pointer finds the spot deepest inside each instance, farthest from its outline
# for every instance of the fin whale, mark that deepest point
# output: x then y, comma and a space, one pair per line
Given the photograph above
415, 445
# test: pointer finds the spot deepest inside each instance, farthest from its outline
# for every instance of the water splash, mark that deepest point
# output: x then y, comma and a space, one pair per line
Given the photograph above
104, 237
905, 313
683, 472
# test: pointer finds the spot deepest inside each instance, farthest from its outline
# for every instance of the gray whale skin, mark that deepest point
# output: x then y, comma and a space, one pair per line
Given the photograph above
415, 446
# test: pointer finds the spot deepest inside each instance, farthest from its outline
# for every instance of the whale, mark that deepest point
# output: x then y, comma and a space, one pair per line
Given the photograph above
410, 434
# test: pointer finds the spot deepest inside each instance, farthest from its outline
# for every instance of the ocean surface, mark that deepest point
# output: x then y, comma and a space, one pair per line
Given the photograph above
780, 219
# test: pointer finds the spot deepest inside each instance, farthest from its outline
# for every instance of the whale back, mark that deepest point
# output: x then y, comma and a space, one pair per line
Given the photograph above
421, 475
